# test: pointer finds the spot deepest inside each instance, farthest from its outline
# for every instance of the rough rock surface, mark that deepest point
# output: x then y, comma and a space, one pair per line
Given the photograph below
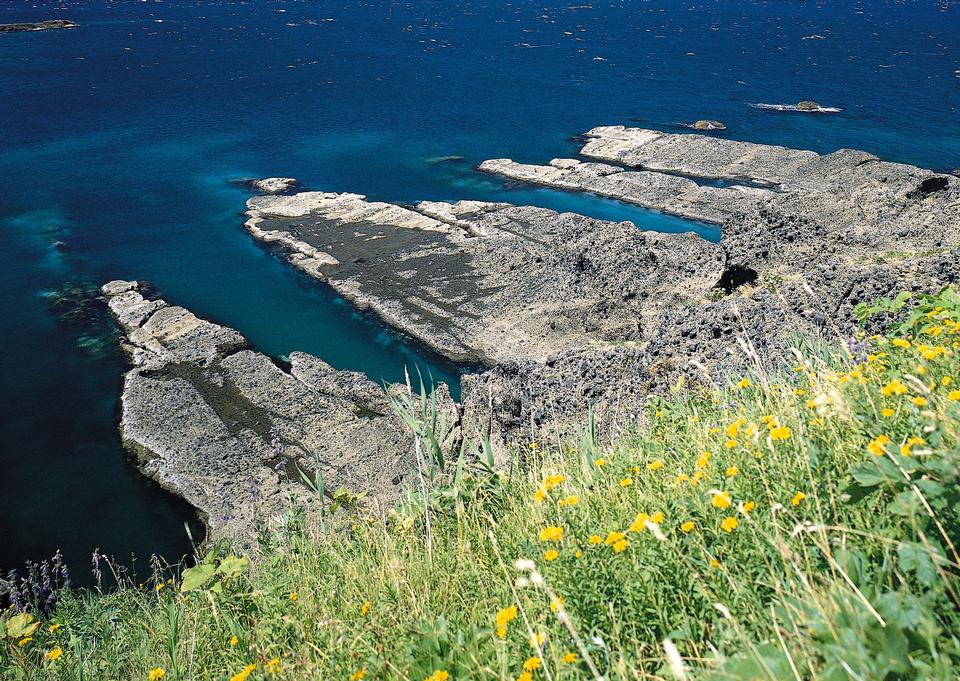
576, 314
489, 282
200, 410
37, 25
275, 185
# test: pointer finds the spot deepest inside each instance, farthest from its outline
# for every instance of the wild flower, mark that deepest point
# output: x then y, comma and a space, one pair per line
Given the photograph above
687, 527
626, 482
55, 654
797, 498
721, 499
156, 674
748, 507
877, 444
894, 387
620, 546
600, 463
613, 538
732, 471
294, 596
551, 555
655, 465
729, 524
531, 664
274, 666
552, 533
359, 674
24, 641
364, 608
637, 525
569, 658
570, 500
244, 673
53, 627
779, 433
595, 539
234, 640
504, 617
556, 603
744, 383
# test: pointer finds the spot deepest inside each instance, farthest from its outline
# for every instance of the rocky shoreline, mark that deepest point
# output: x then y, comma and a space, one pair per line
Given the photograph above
571, 315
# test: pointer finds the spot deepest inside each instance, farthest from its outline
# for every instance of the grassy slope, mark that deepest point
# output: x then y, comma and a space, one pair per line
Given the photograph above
801, 536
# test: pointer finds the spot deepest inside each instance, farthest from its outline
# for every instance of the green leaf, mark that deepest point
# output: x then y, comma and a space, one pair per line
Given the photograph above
21, 625
232, 566
196, 577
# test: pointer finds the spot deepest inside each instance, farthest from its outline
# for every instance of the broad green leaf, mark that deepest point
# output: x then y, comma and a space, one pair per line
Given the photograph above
197, 576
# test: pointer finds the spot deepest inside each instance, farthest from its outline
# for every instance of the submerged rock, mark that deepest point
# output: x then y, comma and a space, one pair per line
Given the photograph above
229, 430
37, 25
707, 125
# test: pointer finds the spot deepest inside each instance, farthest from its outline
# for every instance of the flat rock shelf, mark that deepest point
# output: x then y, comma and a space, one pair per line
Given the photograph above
570, 315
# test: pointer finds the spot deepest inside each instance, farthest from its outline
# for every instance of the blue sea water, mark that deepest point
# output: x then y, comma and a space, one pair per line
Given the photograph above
119, 139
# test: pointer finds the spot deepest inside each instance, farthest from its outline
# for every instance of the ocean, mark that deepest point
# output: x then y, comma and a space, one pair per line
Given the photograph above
121, 142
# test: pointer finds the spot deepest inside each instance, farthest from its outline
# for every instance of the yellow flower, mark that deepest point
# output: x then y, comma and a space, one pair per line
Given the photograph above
732, 470
919, 401
946, 380
504, 617
160, 586
688, 526
655, 465
274, 666
626, 482
916, 441
244, 673
234, 640
24, 641
797, 498
888, 412
682, 478
540, 494
552, 533
749, 506
729, 524
552, 481
744, 383
570, 500
620, 546
438, 676
525, 676
294, 596
613, 538
638, 523
600, 462
894, 387
721, 500
900, 342
55, 654
359, 674
569, 658
53, 627
551, 555
704, 460
556, 603
731, 444
696, 477
537, 640
714, 563
876, 445
905, 450
365, 608
779, 433
734, 428
594, 539
657, 517
954, 395
157, 674
578, 554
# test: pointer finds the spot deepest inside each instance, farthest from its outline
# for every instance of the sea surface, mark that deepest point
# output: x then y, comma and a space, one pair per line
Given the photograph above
119, 142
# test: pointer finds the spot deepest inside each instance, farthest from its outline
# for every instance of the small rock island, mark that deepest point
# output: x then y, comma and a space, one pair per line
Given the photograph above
37, 26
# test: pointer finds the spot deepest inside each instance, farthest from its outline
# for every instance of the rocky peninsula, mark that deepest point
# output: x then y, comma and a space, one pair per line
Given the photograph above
571, 315
227, 428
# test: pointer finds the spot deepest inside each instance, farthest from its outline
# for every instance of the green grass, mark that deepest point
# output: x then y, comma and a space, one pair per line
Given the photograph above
839, 562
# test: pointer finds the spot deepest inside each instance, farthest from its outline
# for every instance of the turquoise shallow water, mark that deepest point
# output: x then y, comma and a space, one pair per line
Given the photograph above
119, 140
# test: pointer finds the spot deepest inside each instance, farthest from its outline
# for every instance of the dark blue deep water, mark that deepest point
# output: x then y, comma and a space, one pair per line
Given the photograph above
118, 141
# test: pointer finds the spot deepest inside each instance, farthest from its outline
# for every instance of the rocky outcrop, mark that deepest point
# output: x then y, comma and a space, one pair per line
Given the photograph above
37, 26
576, 315
704, 124
227, 428
489, 282
275, 185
